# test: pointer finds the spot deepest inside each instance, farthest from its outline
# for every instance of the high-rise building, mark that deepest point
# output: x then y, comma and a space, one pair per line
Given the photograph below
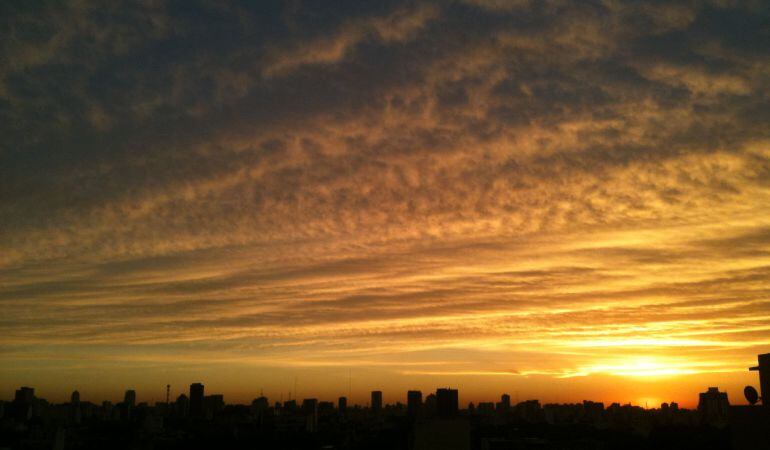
129, 398
260, 404
430, 404
413, 402
376, 400
75, 412
713, 406
504, 405
446, 402
22, 403
764, 378
182, 405
342, 404
196, 400
24, 395
310, 409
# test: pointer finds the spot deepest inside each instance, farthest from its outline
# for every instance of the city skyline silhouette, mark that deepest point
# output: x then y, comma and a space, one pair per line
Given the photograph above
445, 399
436, 421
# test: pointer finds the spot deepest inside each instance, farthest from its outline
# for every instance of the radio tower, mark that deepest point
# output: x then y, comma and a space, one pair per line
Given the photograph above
168, 391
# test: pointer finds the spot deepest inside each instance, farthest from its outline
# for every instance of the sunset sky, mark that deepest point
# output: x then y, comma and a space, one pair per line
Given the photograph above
557, 200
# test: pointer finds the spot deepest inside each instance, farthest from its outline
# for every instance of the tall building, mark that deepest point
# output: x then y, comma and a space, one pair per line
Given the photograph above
129, 398
713, 406
260, 404
182, 406
504, 405
764, 378
413, 402
22, 403
75, 412
376, 401
310, 409
446, 402
430, 404
342, 404
196, 400
24, 395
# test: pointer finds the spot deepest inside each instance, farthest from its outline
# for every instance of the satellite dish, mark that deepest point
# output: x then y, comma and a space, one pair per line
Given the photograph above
751, 394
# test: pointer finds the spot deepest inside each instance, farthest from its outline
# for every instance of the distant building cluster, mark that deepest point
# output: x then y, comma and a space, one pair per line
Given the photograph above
197, 420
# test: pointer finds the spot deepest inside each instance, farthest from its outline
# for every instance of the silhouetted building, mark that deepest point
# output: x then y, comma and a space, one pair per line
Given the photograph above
129, 398
430, 404
125, 409
106, 410
22, 403
24, 395
376, 401
342, 404
310, 410
413, 402
325, 408
290, 405
713, 406
182, 406
75, 413
259, 405
764, 378
447, 402
310, 405
213, 404
593, 410
486, 408
531, 411
504, 405
196, 400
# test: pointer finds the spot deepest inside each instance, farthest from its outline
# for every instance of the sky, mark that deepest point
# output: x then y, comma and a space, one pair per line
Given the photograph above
558, 200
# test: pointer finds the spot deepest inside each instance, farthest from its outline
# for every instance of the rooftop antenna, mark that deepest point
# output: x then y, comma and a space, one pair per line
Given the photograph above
296, 395
168, 392
350, 385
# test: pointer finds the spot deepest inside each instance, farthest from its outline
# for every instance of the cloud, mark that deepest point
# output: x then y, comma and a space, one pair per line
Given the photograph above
383, 181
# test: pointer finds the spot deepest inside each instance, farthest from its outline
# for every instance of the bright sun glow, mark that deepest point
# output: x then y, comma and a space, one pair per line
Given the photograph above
642, 367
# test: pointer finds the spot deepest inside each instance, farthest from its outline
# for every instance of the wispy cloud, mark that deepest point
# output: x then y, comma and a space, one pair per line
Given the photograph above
460, 187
